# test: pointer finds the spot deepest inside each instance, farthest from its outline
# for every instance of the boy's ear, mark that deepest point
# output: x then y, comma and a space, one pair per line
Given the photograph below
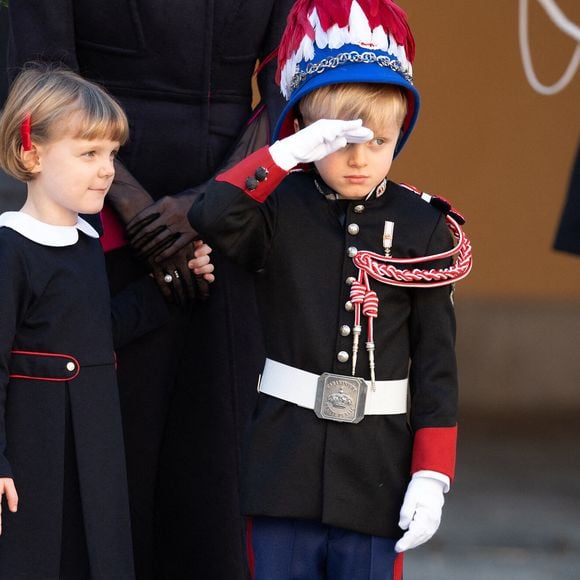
298, 122
30, 159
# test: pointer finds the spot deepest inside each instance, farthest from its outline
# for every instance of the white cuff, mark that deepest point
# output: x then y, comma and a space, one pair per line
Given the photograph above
434, 475
281, 156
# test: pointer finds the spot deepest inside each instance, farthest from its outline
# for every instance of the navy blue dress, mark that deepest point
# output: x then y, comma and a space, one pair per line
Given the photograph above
61, 437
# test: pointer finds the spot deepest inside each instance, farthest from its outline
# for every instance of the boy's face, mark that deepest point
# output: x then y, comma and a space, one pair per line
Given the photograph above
357, 169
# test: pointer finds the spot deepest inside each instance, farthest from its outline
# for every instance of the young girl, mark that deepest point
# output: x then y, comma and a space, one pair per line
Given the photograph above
62, 464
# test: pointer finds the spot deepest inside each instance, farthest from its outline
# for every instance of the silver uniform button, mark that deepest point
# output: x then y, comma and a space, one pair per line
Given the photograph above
352, 251
70, 366
348, 305
350, 280
353, 229
359, 208
344, 330
342, 356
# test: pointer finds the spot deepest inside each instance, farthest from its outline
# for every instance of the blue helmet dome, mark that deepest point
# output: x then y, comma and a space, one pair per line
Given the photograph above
353, 41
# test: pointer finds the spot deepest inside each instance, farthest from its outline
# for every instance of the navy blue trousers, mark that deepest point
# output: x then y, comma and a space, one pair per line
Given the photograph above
292, 549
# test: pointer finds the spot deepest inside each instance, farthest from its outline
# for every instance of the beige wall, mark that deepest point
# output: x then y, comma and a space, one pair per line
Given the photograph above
488, 142
503, 154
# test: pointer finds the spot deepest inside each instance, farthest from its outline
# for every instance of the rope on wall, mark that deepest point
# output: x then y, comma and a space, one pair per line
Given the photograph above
566, 26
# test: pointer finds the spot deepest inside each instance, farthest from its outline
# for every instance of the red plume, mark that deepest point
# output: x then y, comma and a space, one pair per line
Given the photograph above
297, 27
393, 19
330, 12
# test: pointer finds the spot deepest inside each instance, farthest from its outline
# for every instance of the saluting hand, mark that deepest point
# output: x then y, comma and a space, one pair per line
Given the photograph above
318, 140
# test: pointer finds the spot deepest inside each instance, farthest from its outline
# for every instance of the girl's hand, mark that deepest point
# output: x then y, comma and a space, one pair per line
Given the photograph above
201, 265
8, 489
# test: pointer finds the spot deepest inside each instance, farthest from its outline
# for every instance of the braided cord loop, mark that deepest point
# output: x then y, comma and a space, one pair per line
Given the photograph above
384, 269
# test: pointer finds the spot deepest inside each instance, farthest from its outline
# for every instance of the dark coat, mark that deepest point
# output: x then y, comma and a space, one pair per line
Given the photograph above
182, 71
568, 233
351, 476
56, 300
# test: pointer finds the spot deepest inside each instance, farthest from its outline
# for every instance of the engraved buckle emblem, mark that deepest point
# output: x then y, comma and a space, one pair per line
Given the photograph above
340, 398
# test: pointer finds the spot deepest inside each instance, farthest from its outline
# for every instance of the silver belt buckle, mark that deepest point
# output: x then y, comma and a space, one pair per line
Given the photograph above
340, 398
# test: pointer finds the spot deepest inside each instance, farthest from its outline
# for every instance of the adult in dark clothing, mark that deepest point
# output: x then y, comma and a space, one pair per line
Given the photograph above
182, 71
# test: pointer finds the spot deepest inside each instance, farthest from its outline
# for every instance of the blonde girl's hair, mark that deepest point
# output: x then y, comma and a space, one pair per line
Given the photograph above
376, 104
59, 103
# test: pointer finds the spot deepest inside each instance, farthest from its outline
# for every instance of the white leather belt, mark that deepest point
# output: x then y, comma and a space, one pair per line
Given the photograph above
300, 387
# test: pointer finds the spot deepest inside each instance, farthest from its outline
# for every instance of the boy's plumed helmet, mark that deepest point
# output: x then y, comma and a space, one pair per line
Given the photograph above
330, 42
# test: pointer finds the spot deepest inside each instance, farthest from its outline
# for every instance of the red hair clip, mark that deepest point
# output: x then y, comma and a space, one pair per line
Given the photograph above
25, 133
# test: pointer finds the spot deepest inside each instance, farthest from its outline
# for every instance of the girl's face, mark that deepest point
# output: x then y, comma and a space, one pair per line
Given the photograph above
358, 168
73, 176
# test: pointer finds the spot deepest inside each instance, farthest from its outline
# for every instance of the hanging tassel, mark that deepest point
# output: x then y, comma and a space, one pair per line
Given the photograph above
371, 350
371, 310
357, 296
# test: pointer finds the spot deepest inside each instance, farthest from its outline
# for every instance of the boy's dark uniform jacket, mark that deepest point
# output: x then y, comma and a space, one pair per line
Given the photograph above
297, 465
182, 71
56, 358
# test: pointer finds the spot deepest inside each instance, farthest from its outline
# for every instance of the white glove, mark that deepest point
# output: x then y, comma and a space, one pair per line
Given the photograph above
317, 141
421, 511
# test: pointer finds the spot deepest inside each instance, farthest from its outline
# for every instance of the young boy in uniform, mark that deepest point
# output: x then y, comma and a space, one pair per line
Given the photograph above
352, 443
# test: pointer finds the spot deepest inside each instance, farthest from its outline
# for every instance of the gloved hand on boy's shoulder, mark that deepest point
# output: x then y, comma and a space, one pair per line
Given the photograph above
318, 140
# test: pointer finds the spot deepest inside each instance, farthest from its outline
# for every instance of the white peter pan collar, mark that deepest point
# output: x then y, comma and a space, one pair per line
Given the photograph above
43, 233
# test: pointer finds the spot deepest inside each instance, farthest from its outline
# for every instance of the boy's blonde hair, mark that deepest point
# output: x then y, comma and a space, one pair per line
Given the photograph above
53, 95
376, 104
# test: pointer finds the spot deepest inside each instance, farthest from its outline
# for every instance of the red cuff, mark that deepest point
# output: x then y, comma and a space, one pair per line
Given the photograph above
435, 449
257, 175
